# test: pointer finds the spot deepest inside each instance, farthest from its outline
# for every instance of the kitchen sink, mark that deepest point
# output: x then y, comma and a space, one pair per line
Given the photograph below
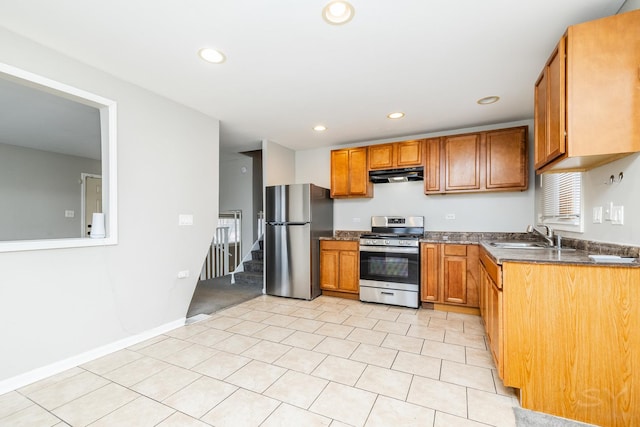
515, 244
520, 245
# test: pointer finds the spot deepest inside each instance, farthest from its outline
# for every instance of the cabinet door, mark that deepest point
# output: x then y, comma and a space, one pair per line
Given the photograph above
409, 153
329, 267
454, 274
432, 172
430, 272
550, 108
495, 326
556, 73
484, 298
349, 276
507, 159
462, 162
340, 173
473, 276
381, 156
540, 114
359, 184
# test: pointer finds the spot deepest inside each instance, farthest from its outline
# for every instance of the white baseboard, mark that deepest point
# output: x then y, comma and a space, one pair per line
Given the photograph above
38, 374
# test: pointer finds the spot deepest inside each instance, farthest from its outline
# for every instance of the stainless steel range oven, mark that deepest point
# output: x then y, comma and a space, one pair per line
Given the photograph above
390, 261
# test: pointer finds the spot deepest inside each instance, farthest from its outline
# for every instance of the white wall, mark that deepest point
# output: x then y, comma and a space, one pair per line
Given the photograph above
629, 5
278, 164
499, 212
59, 304
36, 188
236, 194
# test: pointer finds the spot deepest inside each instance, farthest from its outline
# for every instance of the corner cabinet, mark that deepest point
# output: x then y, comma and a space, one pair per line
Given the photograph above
495, 160
449, 274
587, 102
349, 173
340, 268
396, 155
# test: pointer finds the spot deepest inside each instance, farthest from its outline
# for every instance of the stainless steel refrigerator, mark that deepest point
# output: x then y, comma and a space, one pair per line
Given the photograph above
296, 216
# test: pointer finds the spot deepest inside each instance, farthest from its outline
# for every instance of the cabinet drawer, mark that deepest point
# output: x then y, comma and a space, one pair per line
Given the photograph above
459, 250
493, 270
339, 245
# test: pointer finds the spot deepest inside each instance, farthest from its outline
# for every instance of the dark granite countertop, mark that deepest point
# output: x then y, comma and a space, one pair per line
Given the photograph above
566, 255
345, 238
574, 251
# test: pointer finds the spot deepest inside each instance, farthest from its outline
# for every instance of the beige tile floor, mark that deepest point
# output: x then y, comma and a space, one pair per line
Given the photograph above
283, 362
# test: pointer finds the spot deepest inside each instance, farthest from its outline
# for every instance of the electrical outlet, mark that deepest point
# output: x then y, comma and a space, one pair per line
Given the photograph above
183, 274
355, 220
69, 214
607, 211
450, 216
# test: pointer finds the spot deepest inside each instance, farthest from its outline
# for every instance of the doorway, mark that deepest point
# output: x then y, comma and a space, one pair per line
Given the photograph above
91, 188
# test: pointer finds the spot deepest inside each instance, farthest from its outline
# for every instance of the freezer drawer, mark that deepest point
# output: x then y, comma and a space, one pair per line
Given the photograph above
288, 261
385, 295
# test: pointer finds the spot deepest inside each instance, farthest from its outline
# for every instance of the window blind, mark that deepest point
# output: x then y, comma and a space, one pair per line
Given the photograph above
561, 197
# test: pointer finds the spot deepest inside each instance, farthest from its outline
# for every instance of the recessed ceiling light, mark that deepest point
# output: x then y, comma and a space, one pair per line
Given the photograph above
212, 55
319, 128
338, 12
397, 115
488, 100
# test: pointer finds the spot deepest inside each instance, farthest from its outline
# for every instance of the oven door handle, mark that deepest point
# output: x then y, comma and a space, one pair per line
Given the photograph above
387, 293
389, 249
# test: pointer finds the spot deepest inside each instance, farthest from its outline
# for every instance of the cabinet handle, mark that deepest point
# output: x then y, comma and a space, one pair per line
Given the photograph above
387, 293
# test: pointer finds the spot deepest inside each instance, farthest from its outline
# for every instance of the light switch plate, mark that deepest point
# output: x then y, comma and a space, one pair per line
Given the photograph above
617, 215
597, 215
185, 219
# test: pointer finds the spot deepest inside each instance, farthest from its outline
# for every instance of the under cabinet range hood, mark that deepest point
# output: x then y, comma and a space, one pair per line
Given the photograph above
397, 175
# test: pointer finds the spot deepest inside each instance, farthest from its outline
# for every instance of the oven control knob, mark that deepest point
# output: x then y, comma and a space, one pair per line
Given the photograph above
386, 242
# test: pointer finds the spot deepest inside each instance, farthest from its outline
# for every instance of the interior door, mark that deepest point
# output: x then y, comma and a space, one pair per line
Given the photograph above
92, 200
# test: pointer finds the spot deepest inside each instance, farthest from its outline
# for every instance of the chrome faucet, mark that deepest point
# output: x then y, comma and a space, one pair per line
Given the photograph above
548, 236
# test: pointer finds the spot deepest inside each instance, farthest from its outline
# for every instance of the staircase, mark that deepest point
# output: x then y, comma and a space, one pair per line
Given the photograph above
253, 268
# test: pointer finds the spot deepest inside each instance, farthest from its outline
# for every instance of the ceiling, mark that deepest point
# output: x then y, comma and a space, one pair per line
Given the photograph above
287, 70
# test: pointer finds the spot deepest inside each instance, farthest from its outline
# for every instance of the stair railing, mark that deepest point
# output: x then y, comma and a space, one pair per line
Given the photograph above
227, 242
260, 224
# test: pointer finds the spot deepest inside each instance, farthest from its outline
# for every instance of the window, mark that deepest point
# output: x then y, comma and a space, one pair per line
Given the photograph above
562, 201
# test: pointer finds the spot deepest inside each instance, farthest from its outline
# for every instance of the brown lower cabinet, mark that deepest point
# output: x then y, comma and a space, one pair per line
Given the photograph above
340, 268
491, 307
567, 336
449, 274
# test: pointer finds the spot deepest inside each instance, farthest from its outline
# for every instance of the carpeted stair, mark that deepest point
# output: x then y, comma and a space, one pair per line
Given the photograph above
253, 269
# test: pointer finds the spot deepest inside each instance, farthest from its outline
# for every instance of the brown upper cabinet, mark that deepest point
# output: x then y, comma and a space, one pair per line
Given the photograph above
396, 155
495, 160
349, 173
587, 101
